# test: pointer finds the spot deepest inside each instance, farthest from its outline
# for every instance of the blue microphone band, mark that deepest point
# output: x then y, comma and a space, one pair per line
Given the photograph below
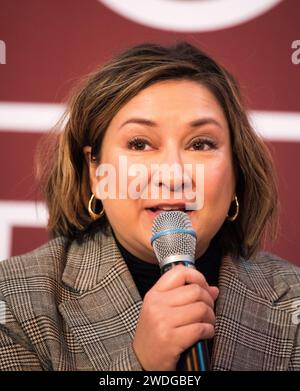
171, 231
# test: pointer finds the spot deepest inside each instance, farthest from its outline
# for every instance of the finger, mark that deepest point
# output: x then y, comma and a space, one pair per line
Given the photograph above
188, 294
192, 313
178, 276
214, 292
190, 334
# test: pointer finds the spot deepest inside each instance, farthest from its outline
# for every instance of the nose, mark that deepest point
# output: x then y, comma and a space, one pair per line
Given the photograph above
169, 173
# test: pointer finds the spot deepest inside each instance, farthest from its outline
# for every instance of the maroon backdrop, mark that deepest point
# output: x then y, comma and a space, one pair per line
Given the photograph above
51, 44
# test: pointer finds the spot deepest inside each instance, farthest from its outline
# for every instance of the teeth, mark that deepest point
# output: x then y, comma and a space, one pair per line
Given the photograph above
168, 208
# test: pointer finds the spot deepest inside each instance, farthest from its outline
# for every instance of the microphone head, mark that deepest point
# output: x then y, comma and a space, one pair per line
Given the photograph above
173, 237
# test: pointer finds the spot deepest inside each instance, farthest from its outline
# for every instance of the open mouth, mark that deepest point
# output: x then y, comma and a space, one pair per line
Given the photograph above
167, 210
153, 212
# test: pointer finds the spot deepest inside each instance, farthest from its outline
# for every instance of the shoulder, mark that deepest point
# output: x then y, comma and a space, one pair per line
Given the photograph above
272, 265
47, 259
266, 270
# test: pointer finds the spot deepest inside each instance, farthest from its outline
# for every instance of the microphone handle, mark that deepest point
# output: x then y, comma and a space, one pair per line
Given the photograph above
195, 358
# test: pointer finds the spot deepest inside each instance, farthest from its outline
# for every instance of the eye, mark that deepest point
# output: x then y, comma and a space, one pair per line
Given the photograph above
200, 143
137, 144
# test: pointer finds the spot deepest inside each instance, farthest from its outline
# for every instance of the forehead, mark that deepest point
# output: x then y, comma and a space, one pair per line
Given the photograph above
170, 98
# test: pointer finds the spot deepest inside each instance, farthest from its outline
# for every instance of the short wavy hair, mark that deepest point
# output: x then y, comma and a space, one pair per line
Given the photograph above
63, 173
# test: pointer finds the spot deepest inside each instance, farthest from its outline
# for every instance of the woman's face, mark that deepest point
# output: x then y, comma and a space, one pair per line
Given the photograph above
174, 122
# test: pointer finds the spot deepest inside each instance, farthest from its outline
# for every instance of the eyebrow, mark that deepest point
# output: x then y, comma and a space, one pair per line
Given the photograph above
194, 124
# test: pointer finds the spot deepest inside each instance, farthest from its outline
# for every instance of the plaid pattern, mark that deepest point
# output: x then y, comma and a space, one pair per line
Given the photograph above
76, 307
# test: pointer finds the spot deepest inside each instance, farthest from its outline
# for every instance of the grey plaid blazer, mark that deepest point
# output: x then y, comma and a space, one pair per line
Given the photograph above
66, 306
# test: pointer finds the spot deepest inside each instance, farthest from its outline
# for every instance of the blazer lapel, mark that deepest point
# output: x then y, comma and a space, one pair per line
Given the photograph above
104, 311
253, 331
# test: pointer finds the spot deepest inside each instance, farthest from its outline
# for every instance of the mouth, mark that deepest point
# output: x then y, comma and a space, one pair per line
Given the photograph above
153, 212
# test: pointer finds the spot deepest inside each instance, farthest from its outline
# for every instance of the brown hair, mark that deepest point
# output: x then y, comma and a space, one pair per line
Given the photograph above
63, 172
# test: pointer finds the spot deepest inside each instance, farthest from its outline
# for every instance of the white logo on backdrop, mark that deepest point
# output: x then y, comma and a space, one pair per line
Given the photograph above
19, 214
190, 15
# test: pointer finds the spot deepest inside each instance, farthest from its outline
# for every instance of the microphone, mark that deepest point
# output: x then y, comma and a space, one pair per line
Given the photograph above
174, 242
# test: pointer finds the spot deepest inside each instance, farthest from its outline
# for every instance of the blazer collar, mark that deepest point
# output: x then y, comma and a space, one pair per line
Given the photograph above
87, 264
105, 307
254, 275
252, 331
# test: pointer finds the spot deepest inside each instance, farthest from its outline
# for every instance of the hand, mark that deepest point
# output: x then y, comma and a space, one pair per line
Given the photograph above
177, 312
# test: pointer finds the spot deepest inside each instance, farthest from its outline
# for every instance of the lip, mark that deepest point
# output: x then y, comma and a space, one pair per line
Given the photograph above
153, 214
175, 204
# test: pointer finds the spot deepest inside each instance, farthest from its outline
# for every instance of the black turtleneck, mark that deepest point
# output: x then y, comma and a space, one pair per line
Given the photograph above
146, 274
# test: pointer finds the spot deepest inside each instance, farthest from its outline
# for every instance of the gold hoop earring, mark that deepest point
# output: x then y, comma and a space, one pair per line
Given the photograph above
94, 216
232, 218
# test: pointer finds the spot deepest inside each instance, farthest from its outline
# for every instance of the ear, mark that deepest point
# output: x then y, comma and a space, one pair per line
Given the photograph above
87, 151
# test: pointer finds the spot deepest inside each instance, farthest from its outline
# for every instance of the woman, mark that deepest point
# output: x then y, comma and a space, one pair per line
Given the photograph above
92, 298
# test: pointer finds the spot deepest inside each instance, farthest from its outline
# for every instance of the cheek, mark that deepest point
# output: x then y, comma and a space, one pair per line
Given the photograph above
119, 207
110, 168
119, 211
218, 185
131, 174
